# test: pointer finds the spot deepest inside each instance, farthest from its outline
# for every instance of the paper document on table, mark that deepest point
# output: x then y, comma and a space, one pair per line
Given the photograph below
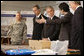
45, 52
60, 47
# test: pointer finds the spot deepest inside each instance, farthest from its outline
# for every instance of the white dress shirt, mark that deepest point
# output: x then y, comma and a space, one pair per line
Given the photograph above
78, 7
51, 17
38, 15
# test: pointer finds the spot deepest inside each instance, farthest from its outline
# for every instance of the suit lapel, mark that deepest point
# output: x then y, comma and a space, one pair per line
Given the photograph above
53, 18
40, 17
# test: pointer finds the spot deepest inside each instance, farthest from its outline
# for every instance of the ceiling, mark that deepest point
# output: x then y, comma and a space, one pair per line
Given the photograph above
27, 5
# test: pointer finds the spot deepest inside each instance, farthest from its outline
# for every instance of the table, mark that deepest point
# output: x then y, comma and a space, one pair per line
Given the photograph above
8, 39
9, 47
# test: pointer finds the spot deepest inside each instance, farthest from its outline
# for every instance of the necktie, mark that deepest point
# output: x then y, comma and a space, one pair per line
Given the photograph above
49, 18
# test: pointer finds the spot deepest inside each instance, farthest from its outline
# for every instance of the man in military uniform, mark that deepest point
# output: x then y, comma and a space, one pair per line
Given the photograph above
18, 31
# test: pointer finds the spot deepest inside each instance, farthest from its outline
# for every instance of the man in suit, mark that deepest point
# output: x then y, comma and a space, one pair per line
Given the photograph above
65, 22
77, 26
50, 31
37, 28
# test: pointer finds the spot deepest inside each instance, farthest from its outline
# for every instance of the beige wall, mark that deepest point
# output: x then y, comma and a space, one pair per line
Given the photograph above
27, 5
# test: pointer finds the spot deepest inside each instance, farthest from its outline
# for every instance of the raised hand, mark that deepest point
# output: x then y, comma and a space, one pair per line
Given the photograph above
42, 17
40, 21
43, 20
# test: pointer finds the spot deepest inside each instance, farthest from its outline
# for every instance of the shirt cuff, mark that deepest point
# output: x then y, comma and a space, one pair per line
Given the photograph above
48, 38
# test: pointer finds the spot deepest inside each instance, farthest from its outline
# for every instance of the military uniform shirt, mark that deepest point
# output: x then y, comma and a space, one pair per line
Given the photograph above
18, 32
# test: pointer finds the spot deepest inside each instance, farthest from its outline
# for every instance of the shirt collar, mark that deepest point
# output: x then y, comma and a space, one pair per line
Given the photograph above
52, 17
78, 7
38, 15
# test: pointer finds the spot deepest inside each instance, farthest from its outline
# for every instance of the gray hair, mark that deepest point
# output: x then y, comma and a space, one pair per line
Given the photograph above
18, 12
50, 7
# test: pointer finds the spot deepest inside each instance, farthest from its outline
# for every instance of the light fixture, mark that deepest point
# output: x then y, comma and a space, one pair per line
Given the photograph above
1, 1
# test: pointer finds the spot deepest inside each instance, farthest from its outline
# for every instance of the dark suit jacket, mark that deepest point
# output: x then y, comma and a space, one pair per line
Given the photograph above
37, 29
65, 26
51, 30
77, 30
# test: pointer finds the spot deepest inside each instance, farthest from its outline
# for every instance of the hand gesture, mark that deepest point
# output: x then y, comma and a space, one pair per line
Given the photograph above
40, 21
